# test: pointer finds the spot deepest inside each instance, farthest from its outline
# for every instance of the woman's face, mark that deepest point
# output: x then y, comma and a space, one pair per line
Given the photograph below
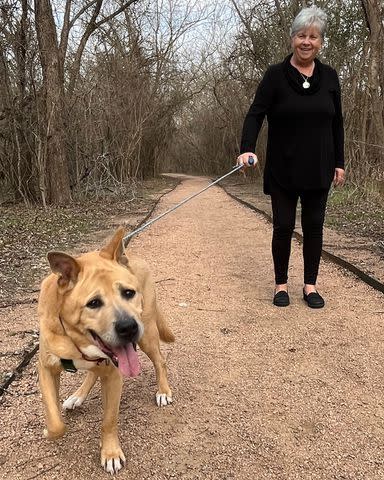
306, 44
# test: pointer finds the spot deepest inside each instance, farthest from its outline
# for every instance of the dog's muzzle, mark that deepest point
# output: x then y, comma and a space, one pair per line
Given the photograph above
121, 346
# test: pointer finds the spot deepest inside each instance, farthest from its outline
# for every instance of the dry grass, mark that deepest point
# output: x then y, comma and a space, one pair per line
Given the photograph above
29, 233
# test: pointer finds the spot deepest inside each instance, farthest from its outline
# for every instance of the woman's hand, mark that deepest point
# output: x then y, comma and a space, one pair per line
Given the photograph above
244, 157
339, 177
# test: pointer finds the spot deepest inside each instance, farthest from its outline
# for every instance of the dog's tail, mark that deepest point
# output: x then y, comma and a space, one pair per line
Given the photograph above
166, 334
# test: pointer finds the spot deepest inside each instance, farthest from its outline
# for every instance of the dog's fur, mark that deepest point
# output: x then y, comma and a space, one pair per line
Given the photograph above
89, 306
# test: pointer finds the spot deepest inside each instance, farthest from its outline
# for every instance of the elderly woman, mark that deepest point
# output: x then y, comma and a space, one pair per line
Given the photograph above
305, 149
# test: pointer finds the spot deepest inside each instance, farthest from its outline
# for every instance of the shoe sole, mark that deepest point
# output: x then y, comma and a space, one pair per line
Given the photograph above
313, 306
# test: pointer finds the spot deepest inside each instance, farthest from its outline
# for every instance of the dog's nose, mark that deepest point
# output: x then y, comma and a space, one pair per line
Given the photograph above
126, 328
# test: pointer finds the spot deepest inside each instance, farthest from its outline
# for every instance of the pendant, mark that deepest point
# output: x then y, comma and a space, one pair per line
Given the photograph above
306, 84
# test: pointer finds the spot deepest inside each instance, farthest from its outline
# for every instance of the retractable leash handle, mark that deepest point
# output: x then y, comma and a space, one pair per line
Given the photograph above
251, 161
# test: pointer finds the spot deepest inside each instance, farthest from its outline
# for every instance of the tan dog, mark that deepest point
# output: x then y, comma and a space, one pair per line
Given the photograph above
93, 311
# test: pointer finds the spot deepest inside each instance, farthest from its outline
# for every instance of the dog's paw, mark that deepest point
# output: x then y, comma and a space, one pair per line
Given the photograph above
72, 402
112, 463
54, 433
163, 399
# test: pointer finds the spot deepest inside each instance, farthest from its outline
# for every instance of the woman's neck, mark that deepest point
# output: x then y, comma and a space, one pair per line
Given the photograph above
304, 67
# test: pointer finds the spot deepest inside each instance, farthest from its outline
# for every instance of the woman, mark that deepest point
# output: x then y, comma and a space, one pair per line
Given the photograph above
305, 150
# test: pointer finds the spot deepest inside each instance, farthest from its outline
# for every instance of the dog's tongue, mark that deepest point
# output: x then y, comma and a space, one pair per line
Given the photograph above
128, 359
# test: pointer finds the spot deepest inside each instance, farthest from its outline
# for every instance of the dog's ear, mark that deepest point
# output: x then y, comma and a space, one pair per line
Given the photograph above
114, 250
65, 265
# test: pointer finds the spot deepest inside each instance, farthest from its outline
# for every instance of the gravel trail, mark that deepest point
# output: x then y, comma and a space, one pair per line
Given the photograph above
259, 392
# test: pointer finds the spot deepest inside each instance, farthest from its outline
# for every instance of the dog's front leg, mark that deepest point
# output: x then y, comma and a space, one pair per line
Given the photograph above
112, 457
49, 380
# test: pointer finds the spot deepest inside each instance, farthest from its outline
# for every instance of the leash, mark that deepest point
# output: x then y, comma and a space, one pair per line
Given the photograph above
143, 227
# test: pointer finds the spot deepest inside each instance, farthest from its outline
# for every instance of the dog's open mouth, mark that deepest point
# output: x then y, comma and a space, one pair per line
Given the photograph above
124, 357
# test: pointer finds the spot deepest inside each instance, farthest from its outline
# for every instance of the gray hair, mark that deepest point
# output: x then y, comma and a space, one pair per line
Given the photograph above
307, 17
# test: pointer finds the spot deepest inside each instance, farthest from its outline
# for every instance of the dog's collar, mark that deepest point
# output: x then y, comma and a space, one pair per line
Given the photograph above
68, 365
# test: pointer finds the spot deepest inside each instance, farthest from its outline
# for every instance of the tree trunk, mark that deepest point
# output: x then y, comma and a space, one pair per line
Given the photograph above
56, 164
374, 12
20, 110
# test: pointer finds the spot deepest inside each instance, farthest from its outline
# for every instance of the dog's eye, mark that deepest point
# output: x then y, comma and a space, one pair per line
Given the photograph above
95, 303
128, 293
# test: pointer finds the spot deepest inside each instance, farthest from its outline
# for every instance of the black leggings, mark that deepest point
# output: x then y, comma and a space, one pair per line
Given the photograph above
313, 203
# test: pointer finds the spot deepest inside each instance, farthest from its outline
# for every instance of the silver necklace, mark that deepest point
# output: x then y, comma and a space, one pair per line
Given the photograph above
306, 84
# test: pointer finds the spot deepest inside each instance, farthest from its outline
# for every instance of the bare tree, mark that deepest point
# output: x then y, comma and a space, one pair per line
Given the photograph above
374, 14
53, 56
118, 90
57, 188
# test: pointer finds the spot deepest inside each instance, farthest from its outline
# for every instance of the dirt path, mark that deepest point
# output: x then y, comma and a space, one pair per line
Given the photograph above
260, 392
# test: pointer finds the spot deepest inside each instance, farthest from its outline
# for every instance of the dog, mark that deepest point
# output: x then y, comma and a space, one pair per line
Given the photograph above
93, 312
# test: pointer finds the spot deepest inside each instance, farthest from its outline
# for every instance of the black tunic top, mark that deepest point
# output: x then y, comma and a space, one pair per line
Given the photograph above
305, 126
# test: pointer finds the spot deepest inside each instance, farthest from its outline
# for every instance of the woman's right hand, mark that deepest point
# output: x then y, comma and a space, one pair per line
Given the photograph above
244, 158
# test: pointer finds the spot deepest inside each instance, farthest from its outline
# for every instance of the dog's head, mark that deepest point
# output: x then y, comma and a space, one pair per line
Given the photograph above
101, 302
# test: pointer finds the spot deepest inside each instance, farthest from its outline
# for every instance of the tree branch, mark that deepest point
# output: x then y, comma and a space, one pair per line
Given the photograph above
64, 35
114, 14
91, 27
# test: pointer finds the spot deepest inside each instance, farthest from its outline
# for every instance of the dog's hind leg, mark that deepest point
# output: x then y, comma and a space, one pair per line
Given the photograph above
81, 394
150, 345
166, 334
49, 384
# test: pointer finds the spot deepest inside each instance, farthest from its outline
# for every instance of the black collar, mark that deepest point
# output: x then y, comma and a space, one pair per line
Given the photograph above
68, 365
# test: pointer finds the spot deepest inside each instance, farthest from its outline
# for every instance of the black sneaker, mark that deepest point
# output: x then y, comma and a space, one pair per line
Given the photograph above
281, 299
314, 299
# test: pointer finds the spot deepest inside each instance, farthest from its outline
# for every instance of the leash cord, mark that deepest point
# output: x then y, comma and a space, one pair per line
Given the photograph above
143, 227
